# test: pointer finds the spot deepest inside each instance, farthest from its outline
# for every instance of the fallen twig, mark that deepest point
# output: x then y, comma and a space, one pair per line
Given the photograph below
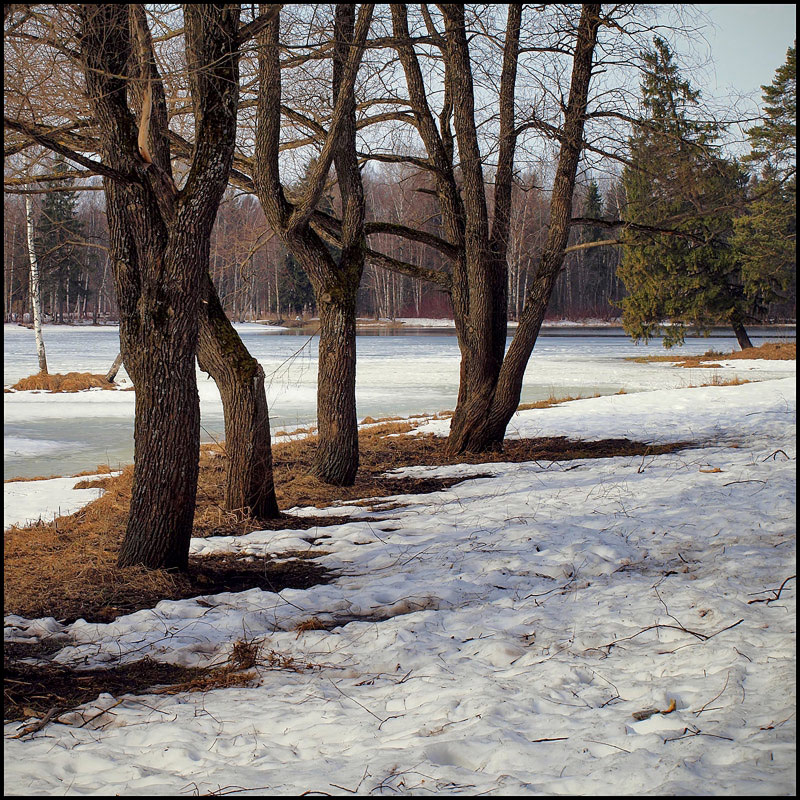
701, 710
40, 723
777, 593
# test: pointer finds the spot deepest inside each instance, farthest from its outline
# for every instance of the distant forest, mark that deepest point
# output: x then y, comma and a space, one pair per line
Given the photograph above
258, 280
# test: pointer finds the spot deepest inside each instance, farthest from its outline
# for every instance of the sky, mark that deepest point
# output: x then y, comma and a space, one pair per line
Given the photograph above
747, 43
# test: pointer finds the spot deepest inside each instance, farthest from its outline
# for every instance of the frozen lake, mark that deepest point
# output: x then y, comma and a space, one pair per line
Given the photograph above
398, 374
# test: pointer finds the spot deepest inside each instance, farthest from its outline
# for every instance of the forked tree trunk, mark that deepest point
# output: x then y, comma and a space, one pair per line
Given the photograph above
335, 283
240, 379
481, 431
160, 241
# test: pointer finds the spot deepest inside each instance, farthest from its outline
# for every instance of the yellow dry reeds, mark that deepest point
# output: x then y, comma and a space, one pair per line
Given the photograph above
71, 382
770, 351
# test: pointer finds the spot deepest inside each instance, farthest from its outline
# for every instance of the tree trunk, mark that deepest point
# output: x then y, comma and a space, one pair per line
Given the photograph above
492, 401
159, 246
36, 301
335, 283
741, 334
166, 447
336, 457
240, 379
112, 373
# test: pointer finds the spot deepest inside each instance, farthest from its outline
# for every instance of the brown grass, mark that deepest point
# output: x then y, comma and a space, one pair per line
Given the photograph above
71, 382
67, 569
100, 468
33, 690
550, 402
718, 380
771, 351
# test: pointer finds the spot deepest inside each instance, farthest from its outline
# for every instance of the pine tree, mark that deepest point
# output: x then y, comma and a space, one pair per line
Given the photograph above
57, 236
765, 234
678, 181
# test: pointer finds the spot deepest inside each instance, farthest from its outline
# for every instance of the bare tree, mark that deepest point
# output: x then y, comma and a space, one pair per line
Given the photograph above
160, 254
335, 280
476, 245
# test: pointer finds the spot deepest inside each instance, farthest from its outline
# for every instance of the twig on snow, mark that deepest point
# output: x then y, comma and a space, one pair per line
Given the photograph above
701, 710
777, 593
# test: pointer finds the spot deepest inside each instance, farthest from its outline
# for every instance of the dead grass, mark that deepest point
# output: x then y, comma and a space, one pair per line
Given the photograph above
718, 380
71, 382
551, 401
33, 690
100, 468
771, 351
67, 569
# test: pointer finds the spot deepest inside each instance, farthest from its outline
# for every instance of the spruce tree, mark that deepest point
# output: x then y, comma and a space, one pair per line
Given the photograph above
678, 181
765, 235
57, 236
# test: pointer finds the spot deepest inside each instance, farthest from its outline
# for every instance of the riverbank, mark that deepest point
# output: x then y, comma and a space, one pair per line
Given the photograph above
556, 625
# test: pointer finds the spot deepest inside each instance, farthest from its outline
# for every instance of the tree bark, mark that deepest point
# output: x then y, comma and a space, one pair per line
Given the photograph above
336, 459
36, 299
335, 282
239, 377
112, 373
740, 332
160, 240
481, 431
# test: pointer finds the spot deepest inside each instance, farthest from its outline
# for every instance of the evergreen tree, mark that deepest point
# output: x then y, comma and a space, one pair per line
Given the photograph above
595, 258
677, 180
57, 236
296, 292
765, 234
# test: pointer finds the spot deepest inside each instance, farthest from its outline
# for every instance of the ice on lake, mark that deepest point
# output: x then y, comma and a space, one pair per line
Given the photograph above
397, 375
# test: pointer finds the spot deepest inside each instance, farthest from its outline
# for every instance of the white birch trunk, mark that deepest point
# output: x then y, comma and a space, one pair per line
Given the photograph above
35, 296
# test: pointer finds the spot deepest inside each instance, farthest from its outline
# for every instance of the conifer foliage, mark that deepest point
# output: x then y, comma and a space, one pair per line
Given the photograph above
677, 182
58, 241
765, 234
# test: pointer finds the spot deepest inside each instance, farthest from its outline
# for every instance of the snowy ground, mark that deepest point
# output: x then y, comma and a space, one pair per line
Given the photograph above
494, 638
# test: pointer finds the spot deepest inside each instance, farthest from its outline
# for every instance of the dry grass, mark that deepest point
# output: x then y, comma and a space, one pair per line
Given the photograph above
551, 401
67, 569
99, 469
71, 382
33, 690
771, 351
718, 380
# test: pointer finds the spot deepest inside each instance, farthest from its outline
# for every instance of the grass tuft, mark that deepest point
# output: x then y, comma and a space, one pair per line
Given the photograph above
71, 382
771, 351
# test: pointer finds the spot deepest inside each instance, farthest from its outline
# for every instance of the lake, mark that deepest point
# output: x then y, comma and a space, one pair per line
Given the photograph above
399, 373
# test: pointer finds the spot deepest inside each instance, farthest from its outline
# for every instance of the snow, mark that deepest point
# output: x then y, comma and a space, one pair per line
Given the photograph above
496, 637
26, 502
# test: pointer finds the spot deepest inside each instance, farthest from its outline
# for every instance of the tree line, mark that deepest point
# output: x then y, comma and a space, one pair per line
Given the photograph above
201, 118
258, 280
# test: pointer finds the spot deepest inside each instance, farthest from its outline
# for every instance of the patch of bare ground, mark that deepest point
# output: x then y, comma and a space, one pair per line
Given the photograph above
71, 382
771, 351
47, 690
67, 569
